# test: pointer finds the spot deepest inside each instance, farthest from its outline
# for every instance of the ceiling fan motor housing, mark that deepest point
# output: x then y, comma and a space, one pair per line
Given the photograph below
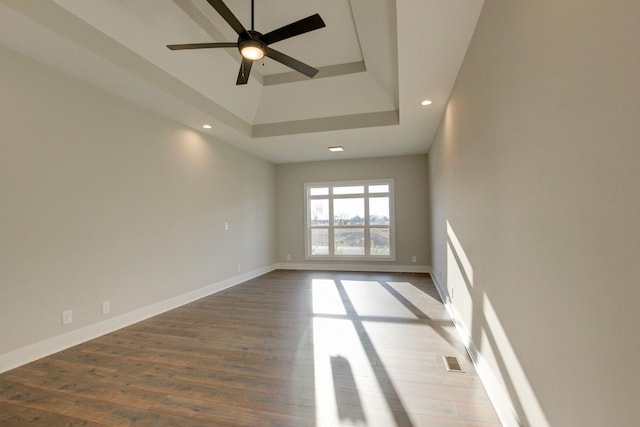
251, 40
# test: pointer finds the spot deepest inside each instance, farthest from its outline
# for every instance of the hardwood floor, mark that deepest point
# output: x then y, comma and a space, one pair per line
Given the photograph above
289, 348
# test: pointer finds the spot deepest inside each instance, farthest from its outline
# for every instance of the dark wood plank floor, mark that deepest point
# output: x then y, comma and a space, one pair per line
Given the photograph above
288, 348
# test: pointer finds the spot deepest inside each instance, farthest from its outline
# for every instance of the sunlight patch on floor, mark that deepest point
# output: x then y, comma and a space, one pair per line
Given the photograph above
342, 368
326, 299
341, 364
370, 298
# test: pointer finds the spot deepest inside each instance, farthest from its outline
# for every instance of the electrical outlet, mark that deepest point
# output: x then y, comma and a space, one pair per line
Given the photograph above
106, 307
414, 259
288, 257
238, 268
226, 226
67, 317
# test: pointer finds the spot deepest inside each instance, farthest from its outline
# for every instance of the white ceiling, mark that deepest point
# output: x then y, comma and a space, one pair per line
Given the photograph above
377, 58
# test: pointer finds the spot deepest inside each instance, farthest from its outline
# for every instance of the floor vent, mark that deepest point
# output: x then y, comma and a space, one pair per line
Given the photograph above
452, 364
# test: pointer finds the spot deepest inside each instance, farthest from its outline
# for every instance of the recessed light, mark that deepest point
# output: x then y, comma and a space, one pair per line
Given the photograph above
206, 126
336, 148
426, 102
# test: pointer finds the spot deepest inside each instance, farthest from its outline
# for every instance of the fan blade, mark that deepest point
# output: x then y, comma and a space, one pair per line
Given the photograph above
228, 16
200, 45
245, 69
290, 62
302, 26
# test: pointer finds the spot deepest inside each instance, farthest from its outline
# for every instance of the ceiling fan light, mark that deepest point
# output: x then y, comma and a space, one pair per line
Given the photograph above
252, 49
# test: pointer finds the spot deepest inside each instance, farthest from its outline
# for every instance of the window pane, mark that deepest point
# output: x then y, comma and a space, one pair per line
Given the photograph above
349, 241
348, 211
379, 211
319, 212
353, 189
320, 241
319, 191
350, 219
380, 241
379, 188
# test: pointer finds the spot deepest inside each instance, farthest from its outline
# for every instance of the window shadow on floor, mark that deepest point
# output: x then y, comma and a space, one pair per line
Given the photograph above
347, 397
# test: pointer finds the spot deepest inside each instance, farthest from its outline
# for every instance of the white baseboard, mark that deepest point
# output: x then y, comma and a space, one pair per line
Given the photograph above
497, 394
377, 268
58, 343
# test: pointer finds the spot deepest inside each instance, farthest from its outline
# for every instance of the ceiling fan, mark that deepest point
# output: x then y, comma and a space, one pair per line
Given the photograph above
254, 45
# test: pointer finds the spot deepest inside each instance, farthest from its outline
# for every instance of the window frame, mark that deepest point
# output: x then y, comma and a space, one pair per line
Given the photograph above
366, 195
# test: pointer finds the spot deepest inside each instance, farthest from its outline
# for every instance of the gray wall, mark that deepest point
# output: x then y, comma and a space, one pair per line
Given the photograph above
411, 184
536, 203
102, 200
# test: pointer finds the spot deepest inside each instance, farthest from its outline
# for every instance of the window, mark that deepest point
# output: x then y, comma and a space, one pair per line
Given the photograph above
350, 220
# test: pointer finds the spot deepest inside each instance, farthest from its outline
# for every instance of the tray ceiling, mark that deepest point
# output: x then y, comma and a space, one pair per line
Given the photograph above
377, 58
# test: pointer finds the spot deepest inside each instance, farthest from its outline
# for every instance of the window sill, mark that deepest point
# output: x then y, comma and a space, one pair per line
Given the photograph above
350, 258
